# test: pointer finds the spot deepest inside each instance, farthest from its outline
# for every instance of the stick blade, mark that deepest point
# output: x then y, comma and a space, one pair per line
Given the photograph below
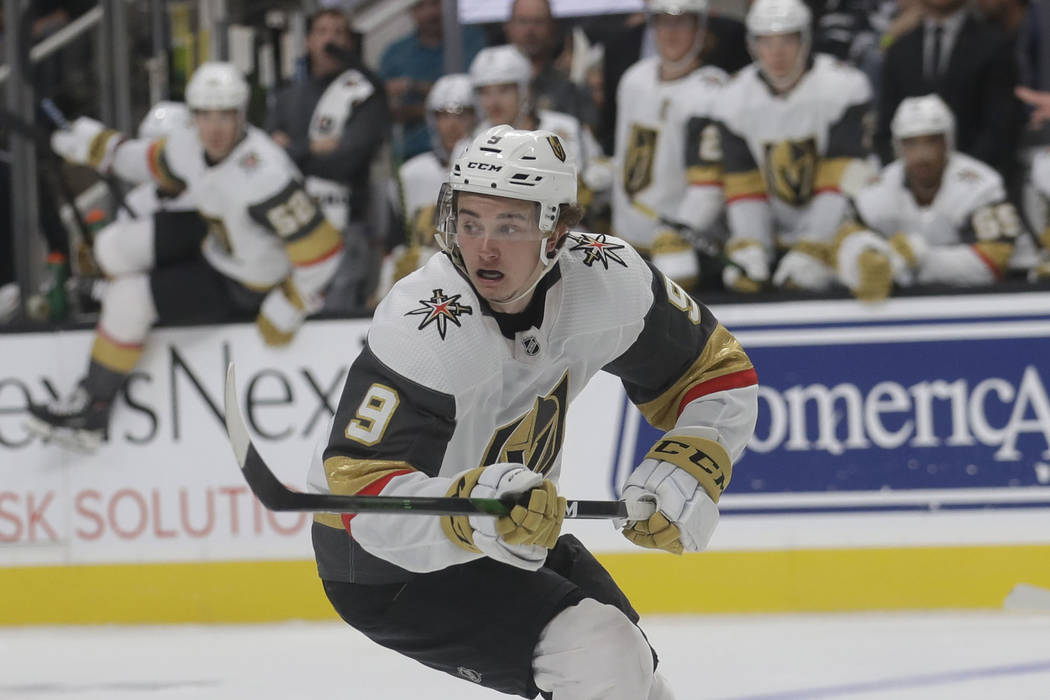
236, 430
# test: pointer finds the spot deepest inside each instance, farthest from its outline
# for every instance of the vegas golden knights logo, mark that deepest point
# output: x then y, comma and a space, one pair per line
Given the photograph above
559, 151
422, 227
638, 165
791, 170
536, 438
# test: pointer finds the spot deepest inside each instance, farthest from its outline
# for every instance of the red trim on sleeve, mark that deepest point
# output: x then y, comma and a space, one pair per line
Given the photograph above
833, 189
373, 489
735, 380
151, 153
113, 341
988, 261
334, 251
739, 197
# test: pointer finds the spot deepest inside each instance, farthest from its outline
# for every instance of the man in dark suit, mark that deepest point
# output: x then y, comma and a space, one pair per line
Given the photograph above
971, 66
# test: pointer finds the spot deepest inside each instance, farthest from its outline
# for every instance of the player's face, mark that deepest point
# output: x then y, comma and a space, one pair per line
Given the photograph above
500, 103
499, 239
924, 158
453, 127
219, 131
327, 29
675, 35
778, 54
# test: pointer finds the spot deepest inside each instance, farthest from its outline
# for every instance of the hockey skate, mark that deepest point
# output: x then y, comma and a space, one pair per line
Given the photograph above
78, 421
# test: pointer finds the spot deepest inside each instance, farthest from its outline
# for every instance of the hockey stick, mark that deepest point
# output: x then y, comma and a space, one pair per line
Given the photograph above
276, 496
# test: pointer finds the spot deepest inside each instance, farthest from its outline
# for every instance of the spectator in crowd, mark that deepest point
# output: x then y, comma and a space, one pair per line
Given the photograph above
852, 30
971, 66
451, 119
532, 30
333, 124
725, 47
502, 79
794, 136
410, 65
934, 216
668, 161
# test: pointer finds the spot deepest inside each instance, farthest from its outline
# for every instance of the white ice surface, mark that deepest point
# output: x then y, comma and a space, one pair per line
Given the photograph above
962, 656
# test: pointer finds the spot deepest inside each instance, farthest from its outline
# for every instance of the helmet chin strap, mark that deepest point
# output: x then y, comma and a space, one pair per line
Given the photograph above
546, 263
675, 67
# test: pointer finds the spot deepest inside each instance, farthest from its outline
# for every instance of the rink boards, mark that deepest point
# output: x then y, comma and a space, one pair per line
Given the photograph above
901, 460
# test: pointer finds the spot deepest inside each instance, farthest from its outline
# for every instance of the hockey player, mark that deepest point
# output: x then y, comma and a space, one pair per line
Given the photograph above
451, 119
668, 157
255, 242
502, 76
793, 130
462, 389
934, 216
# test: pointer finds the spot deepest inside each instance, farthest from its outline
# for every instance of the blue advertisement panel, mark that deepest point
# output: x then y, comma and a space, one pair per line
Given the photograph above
895, 417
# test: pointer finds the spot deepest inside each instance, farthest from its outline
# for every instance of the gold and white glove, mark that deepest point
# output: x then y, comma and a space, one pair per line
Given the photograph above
281, 314
868, 265
521, 538
747, 268
684, 474
806, 266
674, 256
87, 142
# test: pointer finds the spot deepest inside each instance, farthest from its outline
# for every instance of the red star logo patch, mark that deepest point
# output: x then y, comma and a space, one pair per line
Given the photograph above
440, 310
597, 249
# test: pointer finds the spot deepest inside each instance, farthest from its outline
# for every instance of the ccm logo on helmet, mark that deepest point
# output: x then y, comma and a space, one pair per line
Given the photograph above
474, 165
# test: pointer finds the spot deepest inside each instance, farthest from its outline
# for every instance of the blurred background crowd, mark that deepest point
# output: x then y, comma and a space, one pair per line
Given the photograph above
752, 150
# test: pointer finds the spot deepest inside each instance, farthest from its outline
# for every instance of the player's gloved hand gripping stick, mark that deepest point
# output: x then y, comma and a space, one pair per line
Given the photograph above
276, 496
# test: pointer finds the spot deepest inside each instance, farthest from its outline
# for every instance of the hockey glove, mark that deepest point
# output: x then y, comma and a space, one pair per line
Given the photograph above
747, 268
868, 265
87, 142
684, 475
806, 266
674, 256
521, 538
280, 316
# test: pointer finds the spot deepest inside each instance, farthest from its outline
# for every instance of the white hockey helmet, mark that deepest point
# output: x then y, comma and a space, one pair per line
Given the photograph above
778, 17
498, 65
677, 7
529, 165
920, 116
217, 85
451, 93
164, 118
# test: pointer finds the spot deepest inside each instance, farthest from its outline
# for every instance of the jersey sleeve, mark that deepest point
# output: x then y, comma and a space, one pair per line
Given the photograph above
144, 160
389, 438
313, 245
988, 234
849, 140
686, 369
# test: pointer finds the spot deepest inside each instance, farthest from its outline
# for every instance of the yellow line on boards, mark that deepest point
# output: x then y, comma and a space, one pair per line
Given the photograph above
712, 582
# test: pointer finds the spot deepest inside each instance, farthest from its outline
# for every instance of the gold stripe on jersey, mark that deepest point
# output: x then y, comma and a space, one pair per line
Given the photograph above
99, 145
829, 173
704, 175
742, 185
457, 527
995, 253
1044, 238
705, 460
349, 476
119, 357
158, 168
722, 355
315, 245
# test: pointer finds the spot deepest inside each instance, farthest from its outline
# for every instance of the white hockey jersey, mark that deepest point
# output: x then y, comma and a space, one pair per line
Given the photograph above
970, 228
443, 385
668, 158
781, 152
263, 228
